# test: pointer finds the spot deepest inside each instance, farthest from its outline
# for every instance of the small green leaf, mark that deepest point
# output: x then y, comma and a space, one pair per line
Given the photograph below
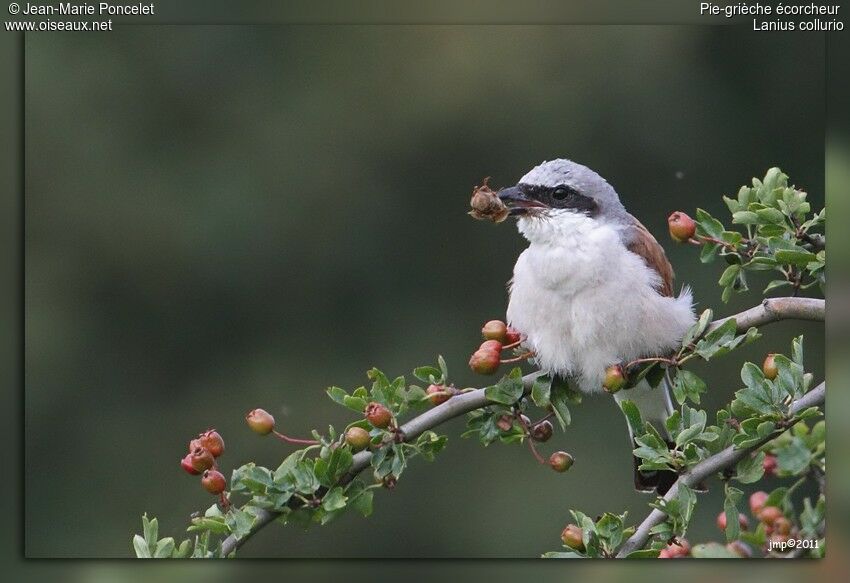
164, 548
540, 391
141, 547
238, 522
508, 390
794, 257
335, 499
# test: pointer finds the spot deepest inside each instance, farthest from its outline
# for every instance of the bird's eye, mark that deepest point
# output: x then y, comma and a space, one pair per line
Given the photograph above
560, 193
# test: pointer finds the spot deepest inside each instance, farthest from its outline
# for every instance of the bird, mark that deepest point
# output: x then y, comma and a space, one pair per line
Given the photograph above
593, 289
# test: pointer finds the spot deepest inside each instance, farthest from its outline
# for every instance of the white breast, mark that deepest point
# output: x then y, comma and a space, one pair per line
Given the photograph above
586, 302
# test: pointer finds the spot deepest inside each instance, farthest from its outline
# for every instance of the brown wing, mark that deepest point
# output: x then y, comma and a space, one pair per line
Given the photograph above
645, 245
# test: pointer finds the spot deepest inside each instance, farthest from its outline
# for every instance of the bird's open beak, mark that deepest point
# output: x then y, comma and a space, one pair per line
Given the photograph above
517, 202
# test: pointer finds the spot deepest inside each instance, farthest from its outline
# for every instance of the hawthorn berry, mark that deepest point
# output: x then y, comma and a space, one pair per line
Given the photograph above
757, 500
491, 345
769, 464
505, 423
213, 482
439, 394
560, 461
186, 464
782, 526
769, 368
201, 459
211, 441
494, 330
358, 438
682, 227
573, 537
542, 431
378, 415
615, 379
680, 548
742, 521
260, 421
769, 515
512, 336
484, 362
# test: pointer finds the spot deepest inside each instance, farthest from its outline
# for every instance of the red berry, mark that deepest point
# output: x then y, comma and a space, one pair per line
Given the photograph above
542, 431
769, 515
439, 394
505, 423
378, 415
260, 421
186, 464
757, 500
782, 526
211, 441
561, 461
769, 464
573, 537
742, 521
484, 362
682, 227
358, 438
201, 459
213, 482
769, 368
665, 554
615, 379
680, 548
494, 330
491, 345
512, 336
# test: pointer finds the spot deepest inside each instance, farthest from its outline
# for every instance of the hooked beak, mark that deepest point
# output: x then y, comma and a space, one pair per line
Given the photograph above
517, 202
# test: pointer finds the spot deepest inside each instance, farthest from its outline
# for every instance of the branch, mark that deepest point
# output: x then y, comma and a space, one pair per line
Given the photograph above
770, 310
775, 309
710, 466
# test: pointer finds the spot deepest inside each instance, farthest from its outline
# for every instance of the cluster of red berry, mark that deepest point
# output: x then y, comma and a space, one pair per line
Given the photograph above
498, 336
201, 460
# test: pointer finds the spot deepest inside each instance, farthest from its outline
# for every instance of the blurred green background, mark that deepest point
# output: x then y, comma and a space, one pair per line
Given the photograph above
220, 218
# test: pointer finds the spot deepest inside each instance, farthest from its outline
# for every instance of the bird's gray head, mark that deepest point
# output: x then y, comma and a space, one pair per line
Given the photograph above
560, 187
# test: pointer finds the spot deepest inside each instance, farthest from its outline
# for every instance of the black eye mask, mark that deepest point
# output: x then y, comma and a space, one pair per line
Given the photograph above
561, 197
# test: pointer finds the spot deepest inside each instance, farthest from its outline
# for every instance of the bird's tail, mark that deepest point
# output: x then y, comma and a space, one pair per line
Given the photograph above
655, 406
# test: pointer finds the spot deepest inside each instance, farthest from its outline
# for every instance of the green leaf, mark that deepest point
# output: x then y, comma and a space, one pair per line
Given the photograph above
426, 373
541, 390
713, 551
729, 275
687, 385
768, 216
360, 498
633, 417
714, 341
164, 548
239, 522
354, 403
141, 547
335, 499
336, 394
559, 398
508, 390
708, 225
794, 257
151, 531
794, 457
745, 218
730, 508
698, 328
329, 471
750, 469
708, 252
